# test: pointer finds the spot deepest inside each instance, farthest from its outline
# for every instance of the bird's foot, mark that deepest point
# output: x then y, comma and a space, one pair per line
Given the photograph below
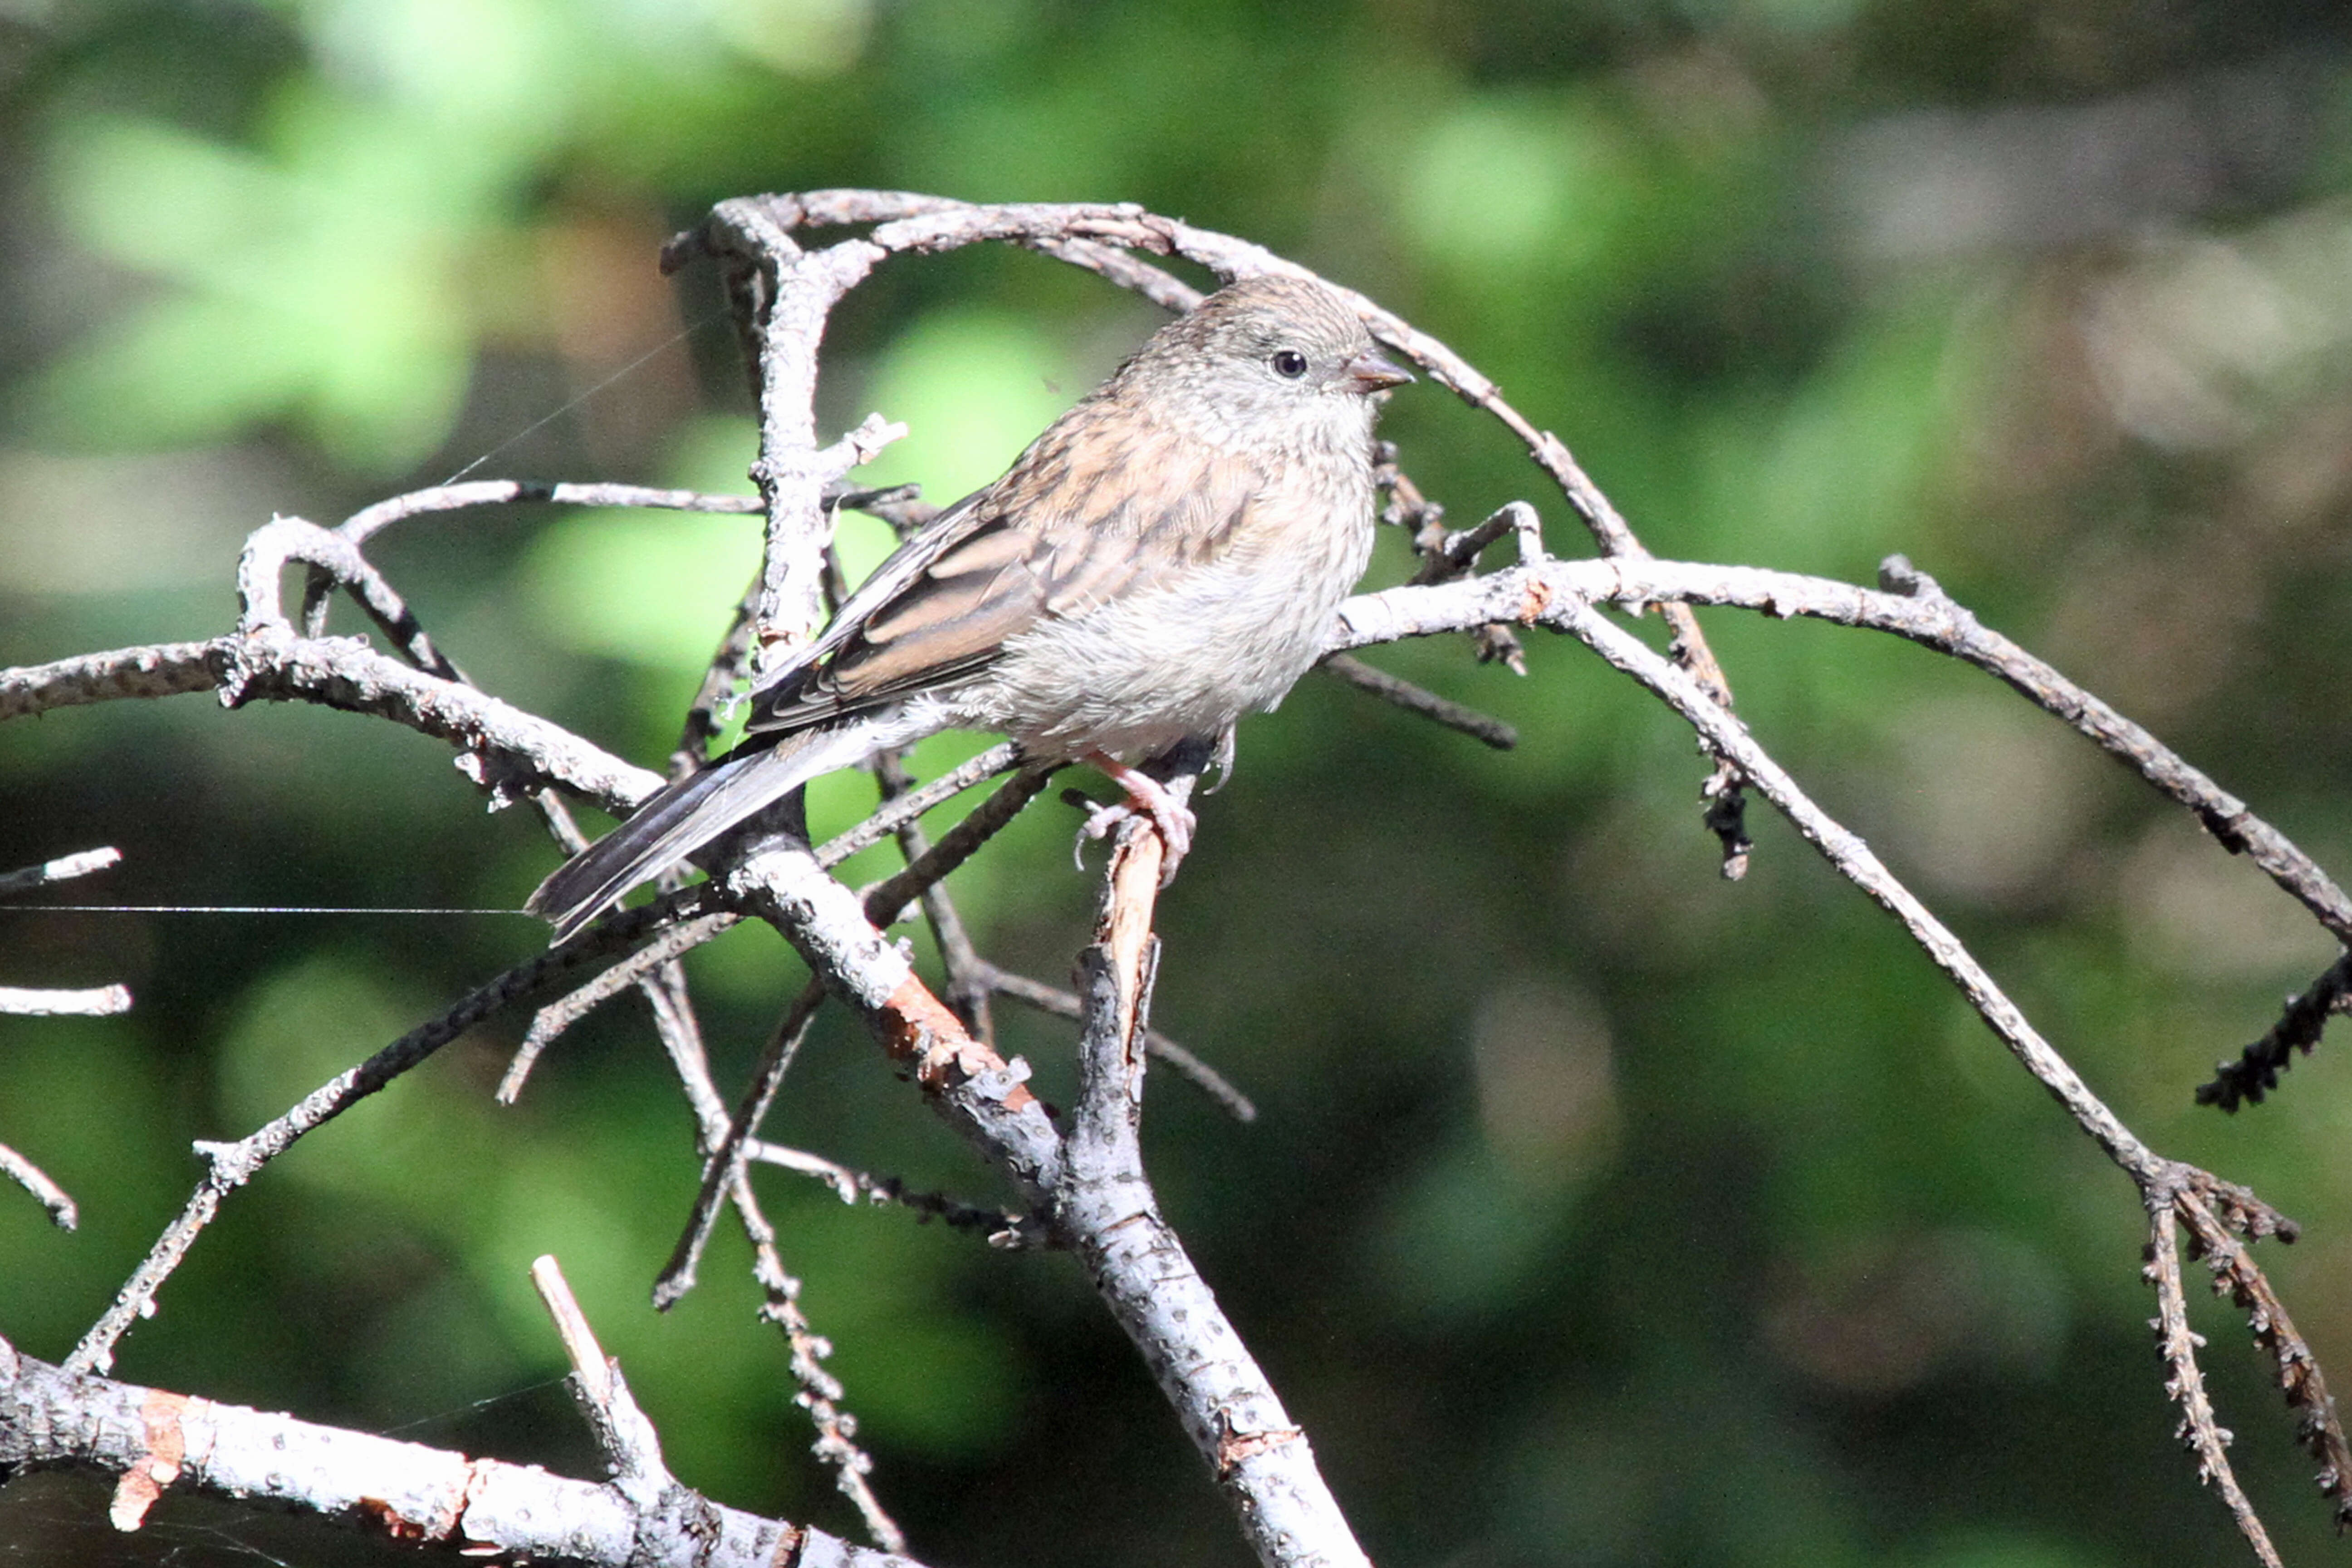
1148, 798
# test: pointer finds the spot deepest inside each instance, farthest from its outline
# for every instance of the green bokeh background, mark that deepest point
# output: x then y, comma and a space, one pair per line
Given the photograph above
1600, 1212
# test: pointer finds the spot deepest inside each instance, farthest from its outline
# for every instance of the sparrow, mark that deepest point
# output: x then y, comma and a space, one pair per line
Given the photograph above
1168, 556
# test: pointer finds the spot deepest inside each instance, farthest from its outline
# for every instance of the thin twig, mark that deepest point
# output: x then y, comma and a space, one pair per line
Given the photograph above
557, 1016
1853, 860
1540, 596
284, 539
38, 1002
1001, 1227
916, 801
341, 672
365, 524
2258, 1068
886, 900
64, 868
2199, 1432
1418, 700
362, 525
36, 1181
631, 1446
820, 1392
1062, 1003
1949, 626
160, 669
234, 1165
724, 1167
783, 296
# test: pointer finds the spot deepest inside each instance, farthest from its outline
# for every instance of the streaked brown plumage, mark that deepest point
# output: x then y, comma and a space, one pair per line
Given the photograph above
1165, 558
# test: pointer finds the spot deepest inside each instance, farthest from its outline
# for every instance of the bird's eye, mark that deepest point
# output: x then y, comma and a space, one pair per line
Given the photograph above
1289, 363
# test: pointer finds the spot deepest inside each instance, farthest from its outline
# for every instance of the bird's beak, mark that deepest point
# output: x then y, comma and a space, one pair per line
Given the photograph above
1369, 373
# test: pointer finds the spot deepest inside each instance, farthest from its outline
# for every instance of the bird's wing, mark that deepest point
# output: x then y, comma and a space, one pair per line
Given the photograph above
900, 568
1069, 527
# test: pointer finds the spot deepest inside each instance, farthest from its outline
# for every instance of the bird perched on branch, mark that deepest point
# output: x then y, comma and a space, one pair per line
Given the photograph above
1165, 558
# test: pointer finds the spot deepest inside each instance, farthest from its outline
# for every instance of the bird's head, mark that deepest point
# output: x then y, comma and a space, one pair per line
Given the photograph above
1269, 359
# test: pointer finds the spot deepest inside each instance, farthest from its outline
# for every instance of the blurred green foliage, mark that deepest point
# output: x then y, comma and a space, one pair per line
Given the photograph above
1600, 1212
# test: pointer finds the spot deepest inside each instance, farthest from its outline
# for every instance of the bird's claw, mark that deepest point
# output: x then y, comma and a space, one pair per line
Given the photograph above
1101, 822
1169, 817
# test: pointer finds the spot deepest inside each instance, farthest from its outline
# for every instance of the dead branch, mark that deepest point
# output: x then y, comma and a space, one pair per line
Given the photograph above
2317, 1427
44, 1191
154, 1440
1412, 698
2205, 1439
2257, 1070
234, 1165
46, 1003
1062, 1003
1000, 1227
162, 670
1090, 1185
724, 1168
1536, 594
1089, 235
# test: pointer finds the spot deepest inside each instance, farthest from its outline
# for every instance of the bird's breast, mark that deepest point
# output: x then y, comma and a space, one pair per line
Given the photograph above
1199, 644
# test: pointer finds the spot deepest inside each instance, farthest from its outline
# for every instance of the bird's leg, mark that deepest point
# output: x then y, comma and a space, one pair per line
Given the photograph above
1146, 797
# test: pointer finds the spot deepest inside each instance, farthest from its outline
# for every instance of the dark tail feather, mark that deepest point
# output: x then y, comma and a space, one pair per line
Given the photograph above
669, 826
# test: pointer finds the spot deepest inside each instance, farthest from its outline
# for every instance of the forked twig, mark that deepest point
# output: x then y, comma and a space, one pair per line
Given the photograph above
724, 1167
2317, 1426
1062, 1003
2164, 1184
631, 1446
553, 1019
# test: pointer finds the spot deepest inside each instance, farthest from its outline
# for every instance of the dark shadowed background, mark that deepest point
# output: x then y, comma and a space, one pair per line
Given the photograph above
1600, 1212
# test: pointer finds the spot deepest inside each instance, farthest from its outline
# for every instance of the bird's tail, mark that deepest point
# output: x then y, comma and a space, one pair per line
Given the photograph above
684, 817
